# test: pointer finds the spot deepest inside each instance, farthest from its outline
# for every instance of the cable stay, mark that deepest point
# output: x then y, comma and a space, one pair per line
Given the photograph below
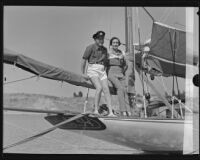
19, 80
153, 19
173, 51
45, 131
142, 74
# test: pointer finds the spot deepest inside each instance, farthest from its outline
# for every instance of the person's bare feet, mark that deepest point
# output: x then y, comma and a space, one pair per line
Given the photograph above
129, 114
95, 112
123, 113
111, 114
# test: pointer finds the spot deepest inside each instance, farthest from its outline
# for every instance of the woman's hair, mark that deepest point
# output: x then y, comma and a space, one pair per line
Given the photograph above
113, 38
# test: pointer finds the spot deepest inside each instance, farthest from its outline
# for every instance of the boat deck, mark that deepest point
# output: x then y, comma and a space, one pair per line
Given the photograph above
17, 126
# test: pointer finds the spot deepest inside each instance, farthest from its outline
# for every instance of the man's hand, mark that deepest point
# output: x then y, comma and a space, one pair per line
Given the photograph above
86, 77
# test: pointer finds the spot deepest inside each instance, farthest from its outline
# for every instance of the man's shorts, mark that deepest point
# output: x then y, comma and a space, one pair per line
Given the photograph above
96, 70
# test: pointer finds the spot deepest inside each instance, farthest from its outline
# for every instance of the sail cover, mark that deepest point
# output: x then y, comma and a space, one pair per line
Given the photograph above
167, 55
47, 71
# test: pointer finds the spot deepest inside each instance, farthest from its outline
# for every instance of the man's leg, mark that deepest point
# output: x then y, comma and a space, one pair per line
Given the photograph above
96, 82
106, 91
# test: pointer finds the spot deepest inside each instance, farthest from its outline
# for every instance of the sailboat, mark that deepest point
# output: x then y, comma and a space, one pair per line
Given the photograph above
150, 134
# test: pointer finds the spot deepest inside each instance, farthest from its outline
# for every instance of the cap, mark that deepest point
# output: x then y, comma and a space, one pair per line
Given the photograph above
99, 34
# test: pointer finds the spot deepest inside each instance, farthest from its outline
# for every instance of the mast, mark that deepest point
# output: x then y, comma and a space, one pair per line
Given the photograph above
129, 30
126, 30
130, 73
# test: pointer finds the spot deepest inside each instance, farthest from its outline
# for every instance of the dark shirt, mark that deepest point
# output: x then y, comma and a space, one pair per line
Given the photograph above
95, 53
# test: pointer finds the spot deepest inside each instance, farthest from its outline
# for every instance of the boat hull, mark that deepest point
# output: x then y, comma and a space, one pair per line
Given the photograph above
151, 135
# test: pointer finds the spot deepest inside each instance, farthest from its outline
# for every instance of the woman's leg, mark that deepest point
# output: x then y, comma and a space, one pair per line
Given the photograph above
120, 92
96, 82
106, 91
126, 98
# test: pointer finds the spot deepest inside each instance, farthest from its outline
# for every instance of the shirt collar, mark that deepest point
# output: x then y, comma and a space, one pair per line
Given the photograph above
97, 47
117, 51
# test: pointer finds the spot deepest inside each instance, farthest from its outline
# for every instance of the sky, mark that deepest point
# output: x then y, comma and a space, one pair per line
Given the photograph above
59, 35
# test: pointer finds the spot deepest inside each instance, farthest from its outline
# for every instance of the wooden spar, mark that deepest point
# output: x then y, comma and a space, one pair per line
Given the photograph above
149, 14
130, 73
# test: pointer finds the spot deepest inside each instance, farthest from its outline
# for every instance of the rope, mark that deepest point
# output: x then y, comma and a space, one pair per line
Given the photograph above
166, 90
147, 88
138, 22
44, 132
176, 23
19, 80
179, 96
28, 131
175, 47
149, 14
86, 101
84, 127
142, 59
62, 142
163, 83
172, 51
182, 104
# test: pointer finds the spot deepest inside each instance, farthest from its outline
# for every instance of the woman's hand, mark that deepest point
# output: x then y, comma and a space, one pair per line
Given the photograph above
125, 68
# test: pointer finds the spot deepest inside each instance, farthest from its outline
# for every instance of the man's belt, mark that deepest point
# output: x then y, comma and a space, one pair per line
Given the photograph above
97, 63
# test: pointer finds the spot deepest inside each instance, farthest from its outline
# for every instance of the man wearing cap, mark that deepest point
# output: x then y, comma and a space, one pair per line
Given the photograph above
96, 56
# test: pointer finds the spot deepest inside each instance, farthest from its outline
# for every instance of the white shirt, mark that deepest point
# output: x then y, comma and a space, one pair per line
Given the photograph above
112, 55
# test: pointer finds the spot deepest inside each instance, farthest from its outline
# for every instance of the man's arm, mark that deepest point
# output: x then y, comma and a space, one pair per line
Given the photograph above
83, 64
84, 60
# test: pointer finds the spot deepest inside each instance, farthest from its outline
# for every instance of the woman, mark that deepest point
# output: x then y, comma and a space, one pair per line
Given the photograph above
96, 55
116, 74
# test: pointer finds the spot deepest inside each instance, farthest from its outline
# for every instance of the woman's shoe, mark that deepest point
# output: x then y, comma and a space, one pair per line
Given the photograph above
115, 112
128, 114
95, 111
123, 113
111, 114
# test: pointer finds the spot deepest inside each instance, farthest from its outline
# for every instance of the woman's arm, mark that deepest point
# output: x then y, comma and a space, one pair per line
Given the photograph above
125, 66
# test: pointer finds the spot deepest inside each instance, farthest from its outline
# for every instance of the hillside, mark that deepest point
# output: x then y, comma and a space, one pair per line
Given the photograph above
39, 101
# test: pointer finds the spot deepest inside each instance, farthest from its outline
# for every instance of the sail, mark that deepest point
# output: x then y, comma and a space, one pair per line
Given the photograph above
158, 66
47, 71
167, 53
165, 39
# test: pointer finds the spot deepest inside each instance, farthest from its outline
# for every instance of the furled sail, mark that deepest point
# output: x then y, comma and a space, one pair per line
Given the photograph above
167, 55
47, 71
